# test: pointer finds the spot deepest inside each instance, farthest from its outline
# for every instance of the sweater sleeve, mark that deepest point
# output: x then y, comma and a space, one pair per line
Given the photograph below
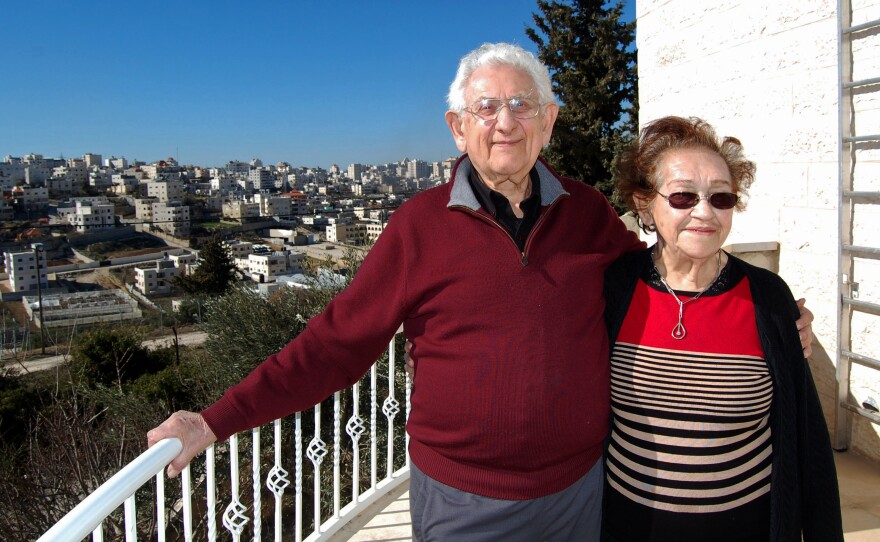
819, 496
337, 347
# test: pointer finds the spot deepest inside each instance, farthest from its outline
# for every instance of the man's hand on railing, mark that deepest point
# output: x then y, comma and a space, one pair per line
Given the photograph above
192, 431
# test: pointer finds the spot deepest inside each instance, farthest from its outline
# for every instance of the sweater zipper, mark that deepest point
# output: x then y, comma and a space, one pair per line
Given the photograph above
538, 223
523, 258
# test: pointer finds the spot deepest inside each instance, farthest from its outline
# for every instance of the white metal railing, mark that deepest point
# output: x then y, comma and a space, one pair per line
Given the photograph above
203, 479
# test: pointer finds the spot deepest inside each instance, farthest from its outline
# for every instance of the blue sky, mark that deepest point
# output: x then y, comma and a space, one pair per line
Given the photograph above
311, 83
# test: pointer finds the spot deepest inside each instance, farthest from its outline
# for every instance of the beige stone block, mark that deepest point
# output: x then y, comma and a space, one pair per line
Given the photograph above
823, 188
810, 231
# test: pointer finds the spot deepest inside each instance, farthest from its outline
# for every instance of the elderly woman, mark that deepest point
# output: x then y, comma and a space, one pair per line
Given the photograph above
717, 429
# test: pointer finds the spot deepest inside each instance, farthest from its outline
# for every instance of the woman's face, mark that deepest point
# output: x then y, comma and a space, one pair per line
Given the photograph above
698, 232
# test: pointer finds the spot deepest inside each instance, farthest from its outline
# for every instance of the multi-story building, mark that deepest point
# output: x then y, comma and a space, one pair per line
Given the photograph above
266, 266
222, 184
183, 261
241, 210
362, 232
355, 171
116, 163
92, 160
61, 184
261, 178
11, 171
21, 267
88, 214
143, 209
36, 197
448, 165
124, 184
273, 205
237, 168
157, 279
172, 217
417, 169
165, 190
100, 179
238, 249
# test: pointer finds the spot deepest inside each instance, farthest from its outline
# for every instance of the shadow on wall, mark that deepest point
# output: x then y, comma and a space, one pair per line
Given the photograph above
864, 440
858, 469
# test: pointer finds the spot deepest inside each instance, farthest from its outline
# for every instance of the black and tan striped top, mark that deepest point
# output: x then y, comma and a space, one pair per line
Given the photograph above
690, 450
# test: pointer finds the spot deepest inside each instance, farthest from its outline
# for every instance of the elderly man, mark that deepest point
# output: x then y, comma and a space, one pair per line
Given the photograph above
497, 278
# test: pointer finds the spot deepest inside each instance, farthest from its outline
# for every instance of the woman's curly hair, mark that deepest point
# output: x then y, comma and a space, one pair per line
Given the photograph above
635, 171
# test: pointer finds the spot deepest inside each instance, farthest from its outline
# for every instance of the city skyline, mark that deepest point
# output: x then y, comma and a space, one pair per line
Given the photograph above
207, 83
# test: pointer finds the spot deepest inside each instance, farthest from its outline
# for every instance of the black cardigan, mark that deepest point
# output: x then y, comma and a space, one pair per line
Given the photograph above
803, 488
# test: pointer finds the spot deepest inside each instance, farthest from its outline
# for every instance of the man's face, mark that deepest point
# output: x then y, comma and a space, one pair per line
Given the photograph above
507, 147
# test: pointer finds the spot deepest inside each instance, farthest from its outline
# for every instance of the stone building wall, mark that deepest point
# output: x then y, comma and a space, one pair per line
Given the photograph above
767, 73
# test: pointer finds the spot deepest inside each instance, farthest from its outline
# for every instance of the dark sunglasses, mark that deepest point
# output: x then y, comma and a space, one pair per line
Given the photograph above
689, 200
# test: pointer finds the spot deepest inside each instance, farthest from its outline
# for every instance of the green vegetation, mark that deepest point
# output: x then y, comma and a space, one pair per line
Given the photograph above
64, 432
215, 274
592, 59
218, 225
108, 249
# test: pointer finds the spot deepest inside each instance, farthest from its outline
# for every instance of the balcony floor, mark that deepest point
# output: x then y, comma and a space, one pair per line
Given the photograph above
859, 495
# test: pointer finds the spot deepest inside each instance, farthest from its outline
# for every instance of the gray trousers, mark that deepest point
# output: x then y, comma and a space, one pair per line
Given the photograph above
444, 514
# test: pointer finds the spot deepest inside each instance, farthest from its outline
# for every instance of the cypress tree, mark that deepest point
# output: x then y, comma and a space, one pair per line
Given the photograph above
591, 54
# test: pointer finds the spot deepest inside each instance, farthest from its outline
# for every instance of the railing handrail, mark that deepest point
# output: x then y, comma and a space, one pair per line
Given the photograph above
87, 515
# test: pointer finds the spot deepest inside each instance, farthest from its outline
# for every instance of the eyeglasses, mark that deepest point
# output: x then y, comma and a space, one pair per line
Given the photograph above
490, 108
689, 200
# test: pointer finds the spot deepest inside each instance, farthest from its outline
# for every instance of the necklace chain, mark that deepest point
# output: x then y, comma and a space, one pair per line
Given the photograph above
679, 332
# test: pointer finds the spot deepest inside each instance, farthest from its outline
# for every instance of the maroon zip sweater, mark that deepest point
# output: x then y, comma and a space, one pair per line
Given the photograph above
511, 392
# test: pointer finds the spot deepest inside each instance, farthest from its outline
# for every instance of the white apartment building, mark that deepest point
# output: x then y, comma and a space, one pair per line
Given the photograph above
362, 232
21, 267
273, 205
236, 167
172, 217
299, 203
143, 210
417, 169
241, 210
100, 179
222, 184
267, 266
165, 190
92, 159
61, 184
184, 261
11, 171
124, 184
31, 197
116, 163
238, 249
355, 171
157, 279
261, 178
88, 214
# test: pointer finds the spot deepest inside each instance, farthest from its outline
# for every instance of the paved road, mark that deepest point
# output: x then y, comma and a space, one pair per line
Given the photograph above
40, 363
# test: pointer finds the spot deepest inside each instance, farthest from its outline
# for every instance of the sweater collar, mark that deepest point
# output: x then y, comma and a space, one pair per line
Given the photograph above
462, 195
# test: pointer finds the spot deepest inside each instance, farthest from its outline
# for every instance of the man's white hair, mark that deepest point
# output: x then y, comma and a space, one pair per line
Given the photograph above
498, 54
